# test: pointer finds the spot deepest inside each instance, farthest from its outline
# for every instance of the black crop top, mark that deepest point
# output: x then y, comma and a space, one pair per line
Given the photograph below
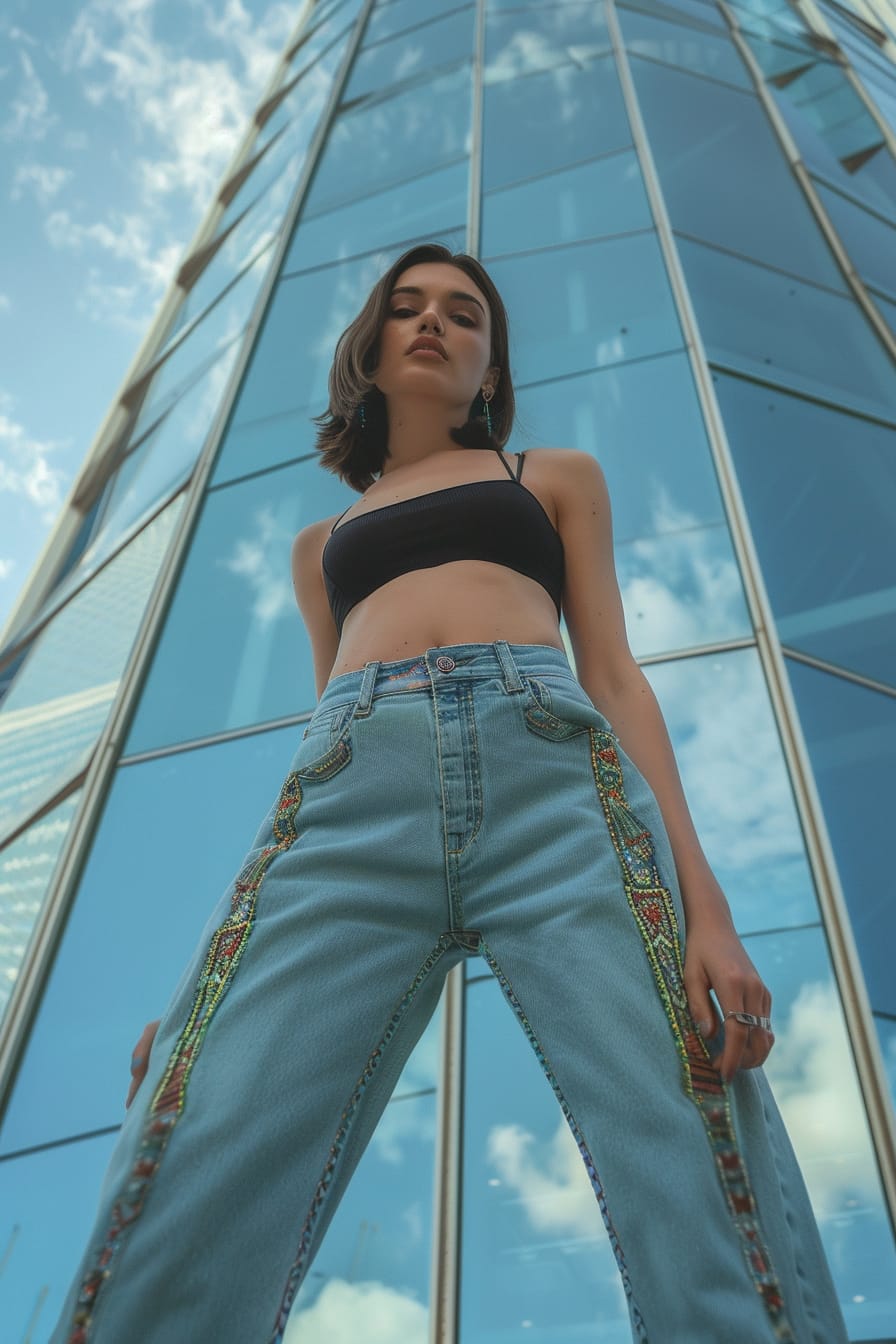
477, 520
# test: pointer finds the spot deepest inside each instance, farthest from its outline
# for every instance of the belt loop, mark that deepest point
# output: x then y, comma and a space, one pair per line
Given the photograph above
512, 679
365, 695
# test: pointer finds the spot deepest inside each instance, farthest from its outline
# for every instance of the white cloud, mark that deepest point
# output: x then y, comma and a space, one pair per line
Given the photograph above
6, 567
42, 179
195, 110
25, 468
128, 238
5, 303
30, 116
387, 1315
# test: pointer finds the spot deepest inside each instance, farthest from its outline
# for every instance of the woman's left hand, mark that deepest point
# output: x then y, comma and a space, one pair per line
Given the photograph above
715, 959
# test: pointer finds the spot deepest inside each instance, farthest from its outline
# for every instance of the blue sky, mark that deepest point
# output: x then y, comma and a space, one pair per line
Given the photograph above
117, 120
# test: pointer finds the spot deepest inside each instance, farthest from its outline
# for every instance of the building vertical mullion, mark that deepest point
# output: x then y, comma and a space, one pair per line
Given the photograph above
48, 929
445, 1266
844, 955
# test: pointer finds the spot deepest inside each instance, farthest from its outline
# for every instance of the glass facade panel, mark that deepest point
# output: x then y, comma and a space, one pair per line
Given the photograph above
683, 44
590, 200
755, 205
374, 1262
223, 791
737, 786
380, 141
829, 568
522, 41
58, 703
292, 357
550, 120
421, 208
235, 651
774, 326
703, 11
396, 15
850, 732
220, 329
47, 1207
812, 1073
26, 867
873, 178
427, 46
584, 307
534, 1246
869, 240
676, 567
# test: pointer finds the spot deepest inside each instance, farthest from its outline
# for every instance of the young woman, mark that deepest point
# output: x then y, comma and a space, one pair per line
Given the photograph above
459, 792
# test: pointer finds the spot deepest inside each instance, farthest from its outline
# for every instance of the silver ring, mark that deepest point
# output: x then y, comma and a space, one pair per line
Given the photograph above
750, 1020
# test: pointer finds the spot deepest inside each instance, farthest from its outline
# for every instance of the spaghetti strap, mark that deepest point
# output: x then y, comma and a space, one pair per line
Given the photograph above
339, 519
506, 465
521, 457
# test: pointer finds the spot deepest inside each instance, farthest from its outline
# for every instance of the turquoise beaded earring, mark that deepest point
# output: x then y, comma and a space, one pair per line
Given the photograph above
488, 418
361, 414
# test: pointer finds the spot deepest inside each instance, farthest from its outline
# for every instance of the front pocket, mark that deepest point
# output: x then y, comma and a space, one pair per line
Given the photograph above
560, 709
325, 747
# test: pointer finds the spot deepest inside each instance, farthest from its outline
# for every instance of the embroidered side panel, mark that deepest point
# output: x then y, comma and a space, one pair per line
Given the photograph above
634, 1313
224, 952
651, 904
300, 1265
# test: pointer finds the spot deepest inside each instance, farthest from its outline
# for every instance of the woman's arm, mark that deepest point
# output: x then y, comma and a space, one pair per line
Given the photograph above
715, 958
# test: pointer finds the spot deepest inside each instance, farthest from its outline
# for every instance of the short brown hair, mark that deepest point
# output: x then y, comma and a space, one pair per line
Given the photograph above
353, 453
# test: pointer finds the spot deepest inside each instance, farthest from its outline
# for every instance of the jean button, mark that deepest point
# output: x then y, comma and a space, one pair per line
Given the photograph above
444, 663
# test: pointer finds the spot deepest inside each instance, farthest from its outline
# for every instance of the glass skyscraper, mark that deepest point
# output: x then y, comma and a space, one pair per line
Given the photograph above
690, 211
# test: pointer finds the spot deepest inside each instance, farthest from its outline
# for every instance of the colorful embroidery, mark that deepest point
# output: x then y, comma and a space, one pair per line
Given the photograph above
300, 1265
636, 1317
651, 904
224, 953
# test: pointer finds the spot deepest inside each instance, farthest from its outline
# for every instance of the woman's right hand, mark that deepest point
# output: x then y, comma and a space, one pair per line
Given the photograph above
140, 1058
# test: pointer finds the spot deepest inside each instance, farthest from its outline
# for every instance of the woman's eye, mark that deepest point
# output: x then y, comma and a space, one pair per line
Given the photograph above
409, 312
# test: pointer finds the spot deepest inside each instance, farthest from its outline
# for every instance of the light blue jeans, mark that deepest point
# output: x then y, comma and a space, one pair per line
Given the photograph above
469, 801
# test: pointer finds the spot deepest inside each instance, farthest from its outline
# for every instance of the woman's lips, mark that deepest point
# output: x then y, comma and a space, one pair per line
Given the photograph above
422, 350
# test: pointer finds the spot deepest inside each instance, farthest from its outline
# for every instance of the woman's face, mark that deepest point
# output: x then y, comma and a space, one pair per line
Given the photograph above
439, 300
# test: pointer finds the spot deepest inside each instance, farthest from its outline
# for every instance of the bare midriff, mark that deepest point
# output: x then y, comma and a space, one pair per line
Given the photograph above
460, 602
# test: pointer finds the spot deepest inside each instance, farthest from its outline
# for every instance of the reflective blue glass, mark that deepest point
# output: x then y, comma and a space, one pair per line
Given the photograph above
235, 651
427, 46
701, 11
107, 956
684, 44
534, 1245
738, 791
590, 200
579, 308
822, 525
676, 567
60, 698
812, 1073
379, 141
47, 1208
850, 732
521, 41
819, 126
27, 865
293, 354
551, 119
395, 16
374, 1262
763, 322
733, 187
421, 208
886, 1033
869, 241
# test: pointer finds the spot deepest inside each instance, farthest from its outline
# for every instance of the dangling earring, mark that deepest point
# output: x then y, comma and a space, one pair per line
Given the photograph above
361, 414
488, 418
